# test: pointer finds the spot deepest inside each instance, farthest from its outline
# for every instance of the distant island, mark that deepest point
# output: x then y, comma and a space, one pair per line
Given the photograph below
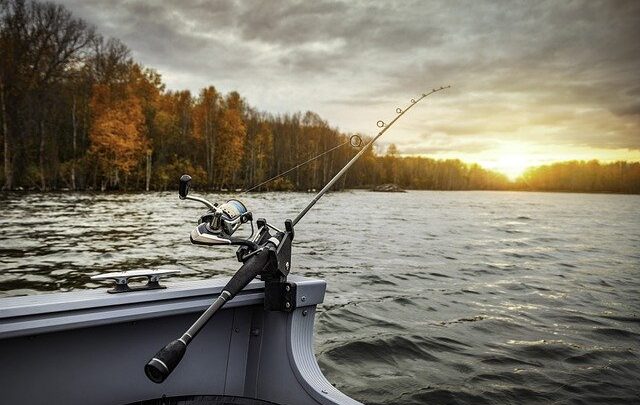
78, 113
388, 188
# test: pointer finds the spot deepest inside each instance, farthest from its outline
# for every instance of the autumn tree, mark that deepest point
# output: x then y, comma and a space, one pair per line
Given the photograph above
231, 140
105, 62
206, 115
117, 136
40, 44
258, 150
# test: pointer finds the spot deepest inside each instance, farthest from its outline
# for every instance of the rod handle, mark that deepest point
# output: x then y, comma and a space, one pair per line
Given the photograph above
254, 266
165, 361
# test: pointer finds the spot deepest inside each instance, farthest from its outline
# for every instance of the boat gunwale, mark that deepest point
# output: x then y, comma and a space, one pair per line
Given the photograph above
42, 313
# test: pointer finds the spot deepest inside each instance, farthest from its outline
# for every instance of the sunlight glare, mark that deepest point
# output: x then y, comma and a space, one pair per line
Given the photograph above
513, 165
512, 160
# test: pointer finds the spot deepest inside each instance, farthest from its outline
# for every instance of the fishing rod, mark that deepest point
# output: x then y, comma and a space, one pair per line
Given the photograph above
265, 253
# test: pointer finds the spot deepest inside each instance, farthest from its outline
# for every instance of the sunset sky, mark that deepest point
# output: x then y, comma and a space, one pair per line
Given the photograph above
532, 82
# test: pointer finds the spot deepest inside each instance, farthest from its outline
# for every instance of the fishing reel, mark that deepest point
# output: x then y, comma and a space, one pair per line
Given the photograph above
217, 225
264, 255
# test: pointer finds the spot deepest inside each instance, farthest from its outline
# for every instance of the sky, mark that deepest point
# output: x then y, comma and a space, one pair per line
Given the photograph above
533, 82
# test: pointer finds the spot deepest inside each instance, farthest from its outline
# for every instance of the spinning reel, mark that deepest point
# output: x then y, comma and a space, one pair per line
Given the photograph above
217, 225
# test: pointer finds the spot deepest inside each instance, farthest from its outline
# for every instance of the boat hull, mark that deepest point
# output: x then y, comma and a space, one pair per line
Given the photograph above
91, 347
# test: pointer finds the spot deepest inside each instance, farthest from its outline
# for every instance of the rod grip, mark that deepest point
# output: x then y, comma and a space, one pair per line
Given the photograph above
254, 265
163, 363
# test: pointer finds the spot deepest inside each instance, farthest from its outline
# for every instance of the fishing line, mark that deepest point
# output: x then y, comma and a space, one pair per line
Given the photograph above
354, 140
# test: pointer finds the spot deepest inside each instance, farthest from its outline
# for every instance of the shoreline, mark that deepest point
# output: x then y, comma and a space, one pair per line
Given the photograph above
107, 192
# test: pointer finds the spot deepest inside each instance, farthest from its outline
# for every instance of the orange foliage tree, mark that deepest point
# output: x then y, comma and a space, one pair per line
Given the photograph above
231, 139
117, 135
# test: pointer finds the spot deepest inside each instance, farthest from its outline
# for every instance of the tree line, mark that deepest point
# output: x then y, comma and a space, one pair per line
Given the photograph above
580, 176
77, 112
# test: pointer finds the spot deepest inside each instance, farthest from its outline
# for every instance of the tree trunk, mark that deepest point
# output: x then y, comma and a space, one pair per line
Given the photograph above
43, 184
214, 167
148, 170
8, 168
207, 141
296, 144
207, 147
95, 177
75, 143
116, 181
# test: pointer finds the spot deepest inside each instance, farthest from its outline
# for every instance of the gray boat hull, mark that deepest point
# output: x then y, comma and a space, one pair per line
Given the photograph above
90, 347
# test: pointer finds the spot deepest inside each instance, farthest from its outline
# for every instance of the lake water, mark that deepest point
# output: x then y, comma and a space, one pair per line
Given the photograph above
433, 297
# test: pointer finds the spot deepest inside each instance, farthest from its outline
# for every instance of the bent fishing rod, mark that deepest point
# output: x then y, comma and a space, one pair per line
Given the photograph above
266, 253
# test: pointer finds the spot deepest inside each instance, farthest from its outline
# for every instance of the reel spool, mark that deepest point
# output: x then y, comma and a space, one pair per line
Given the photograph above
228, 217
218, 225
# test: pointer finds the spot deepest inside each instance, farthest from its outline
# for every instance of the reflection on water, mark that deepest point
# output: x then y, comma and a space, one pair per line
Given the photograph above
434, 297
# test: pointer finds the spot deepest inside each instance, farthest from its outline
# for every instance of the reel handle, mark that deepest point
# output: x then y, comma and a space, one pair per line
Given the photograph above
183, 191
185, 185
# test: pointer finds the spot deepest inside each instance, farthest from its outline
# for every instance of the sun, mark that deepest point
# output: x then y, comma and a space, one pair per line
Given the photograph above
512, 165
511, 160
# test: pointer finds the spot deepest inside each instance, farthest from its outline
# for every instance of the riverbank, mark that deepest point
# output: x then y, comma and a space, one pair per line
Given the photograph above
311, 191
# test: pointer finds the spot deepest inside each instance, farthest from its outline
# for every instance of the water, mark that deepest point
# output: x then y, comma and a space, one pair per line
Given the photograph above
433, 297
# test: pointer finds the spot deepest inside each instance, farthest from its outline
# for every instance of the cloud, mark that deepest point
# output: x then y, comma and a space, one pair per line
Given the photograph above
549, 72
441, 143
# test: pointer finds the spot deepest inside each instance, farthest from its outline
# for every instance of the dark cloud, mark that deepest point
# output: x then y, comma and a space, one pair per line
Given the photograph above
543, 71
633, 108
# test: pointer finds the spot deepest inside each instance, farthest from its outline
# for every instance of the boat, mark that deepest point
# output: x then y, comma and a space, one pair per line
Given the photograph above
90, 347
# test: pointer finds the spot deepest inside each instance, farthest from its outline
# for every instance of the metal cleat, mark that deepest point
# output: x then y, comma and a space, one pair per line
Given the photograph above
122, 279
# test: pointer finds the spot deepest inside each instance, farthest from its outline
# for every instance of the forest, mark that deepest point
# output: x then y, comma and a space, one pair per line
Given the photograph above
78, 113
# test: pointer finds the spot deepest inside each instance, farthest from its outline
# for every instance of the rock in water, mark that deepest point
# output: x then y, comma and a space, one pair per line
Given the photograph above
389, 188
